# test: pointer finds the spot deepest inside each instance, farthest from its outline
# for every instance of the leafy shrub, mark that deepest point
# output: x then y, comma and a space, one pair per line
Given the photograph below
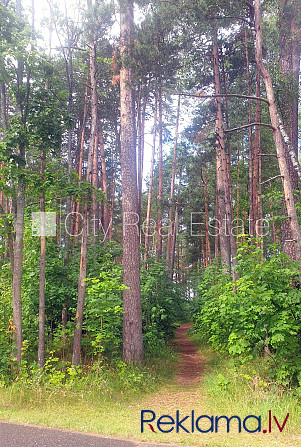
103, 312
258, 312
163, 306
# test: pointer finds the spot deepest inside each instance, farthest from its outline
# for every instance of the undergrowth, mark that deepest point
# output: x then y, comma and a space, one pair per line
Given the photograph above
243, 388
116, 381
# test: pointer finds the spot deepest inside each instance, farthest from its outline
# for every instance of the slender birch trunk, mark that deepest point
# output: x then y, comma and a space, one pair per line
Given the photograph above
279, 144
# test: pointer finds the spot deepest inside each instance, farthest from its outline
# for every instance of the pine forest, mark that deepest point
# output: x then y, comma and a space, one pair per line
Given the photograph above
150, 178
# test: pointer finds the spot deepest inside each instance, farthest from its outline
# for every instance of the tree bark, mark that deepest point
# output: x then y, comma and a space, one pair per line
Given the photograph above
216, 217
114, 163
251, 146
19, 219
95, 133
160, 195
104, 184
174, 242
280, 149
290, 48
226, 238
238, 188
18, 261
3, 117
172, 186
132, 320
76, 357
95, 183
208, 249
141, 129
257, 167
174, 235
42, 280
80, 159
150, 186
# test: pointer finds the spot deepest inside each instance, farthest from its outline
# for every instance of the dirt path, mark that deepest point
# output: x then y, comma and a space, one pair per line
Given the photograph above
184, 391
191, 366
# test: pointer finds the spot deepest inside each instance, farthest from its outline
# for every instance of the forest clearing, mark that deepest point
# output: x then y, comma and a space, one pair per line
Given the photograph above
150, 242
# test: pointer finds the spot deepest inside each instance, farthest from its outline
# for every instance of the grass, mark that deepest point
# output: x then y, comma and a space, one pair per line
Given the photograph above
109, 401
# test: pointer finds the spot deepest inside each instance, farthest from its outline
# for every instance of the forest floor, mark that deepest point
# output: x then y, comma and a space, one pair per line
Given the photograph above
185, 391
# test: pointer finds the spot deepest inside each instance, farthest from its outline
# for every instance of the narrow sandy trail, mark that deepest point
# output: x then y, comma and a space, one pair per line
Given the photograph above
184, 392
192, 365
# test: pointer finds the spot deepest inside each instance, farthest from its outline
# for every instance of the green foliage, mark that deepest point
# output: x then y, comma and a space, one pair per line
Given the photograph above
162, 306
260, 311
6, 325
103, 314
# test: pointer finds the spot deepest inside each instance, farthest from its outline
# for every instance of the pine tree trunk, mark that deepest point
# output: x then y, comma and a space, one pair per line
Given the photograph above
18, 263
104, 185
132, 320
175, 233
3, 117
272, 216
174, 242
160, 195
150, 186
257, 168
216, 218
141, 130
42, 280
80, 160
221, 168
227, 143
238, 188
172, 186
113, 188
76, 357
95, 183
94, 131
208, 249
19, 223
251, 146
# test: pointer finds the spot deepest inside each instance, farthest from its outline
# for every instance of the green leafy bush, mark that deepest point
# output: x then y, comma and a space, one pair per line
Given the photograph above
103, 313
163, 306
260, 312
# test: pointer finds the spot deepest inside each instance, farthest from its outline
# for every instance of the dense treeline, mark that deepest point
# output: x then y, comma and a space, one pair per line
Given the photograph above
94, 258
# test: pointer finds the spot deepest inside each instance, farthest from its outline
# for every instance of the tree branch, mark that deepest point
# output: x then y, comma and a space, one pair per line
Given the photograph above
268, 155
273, 178
249, 125
223, 95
